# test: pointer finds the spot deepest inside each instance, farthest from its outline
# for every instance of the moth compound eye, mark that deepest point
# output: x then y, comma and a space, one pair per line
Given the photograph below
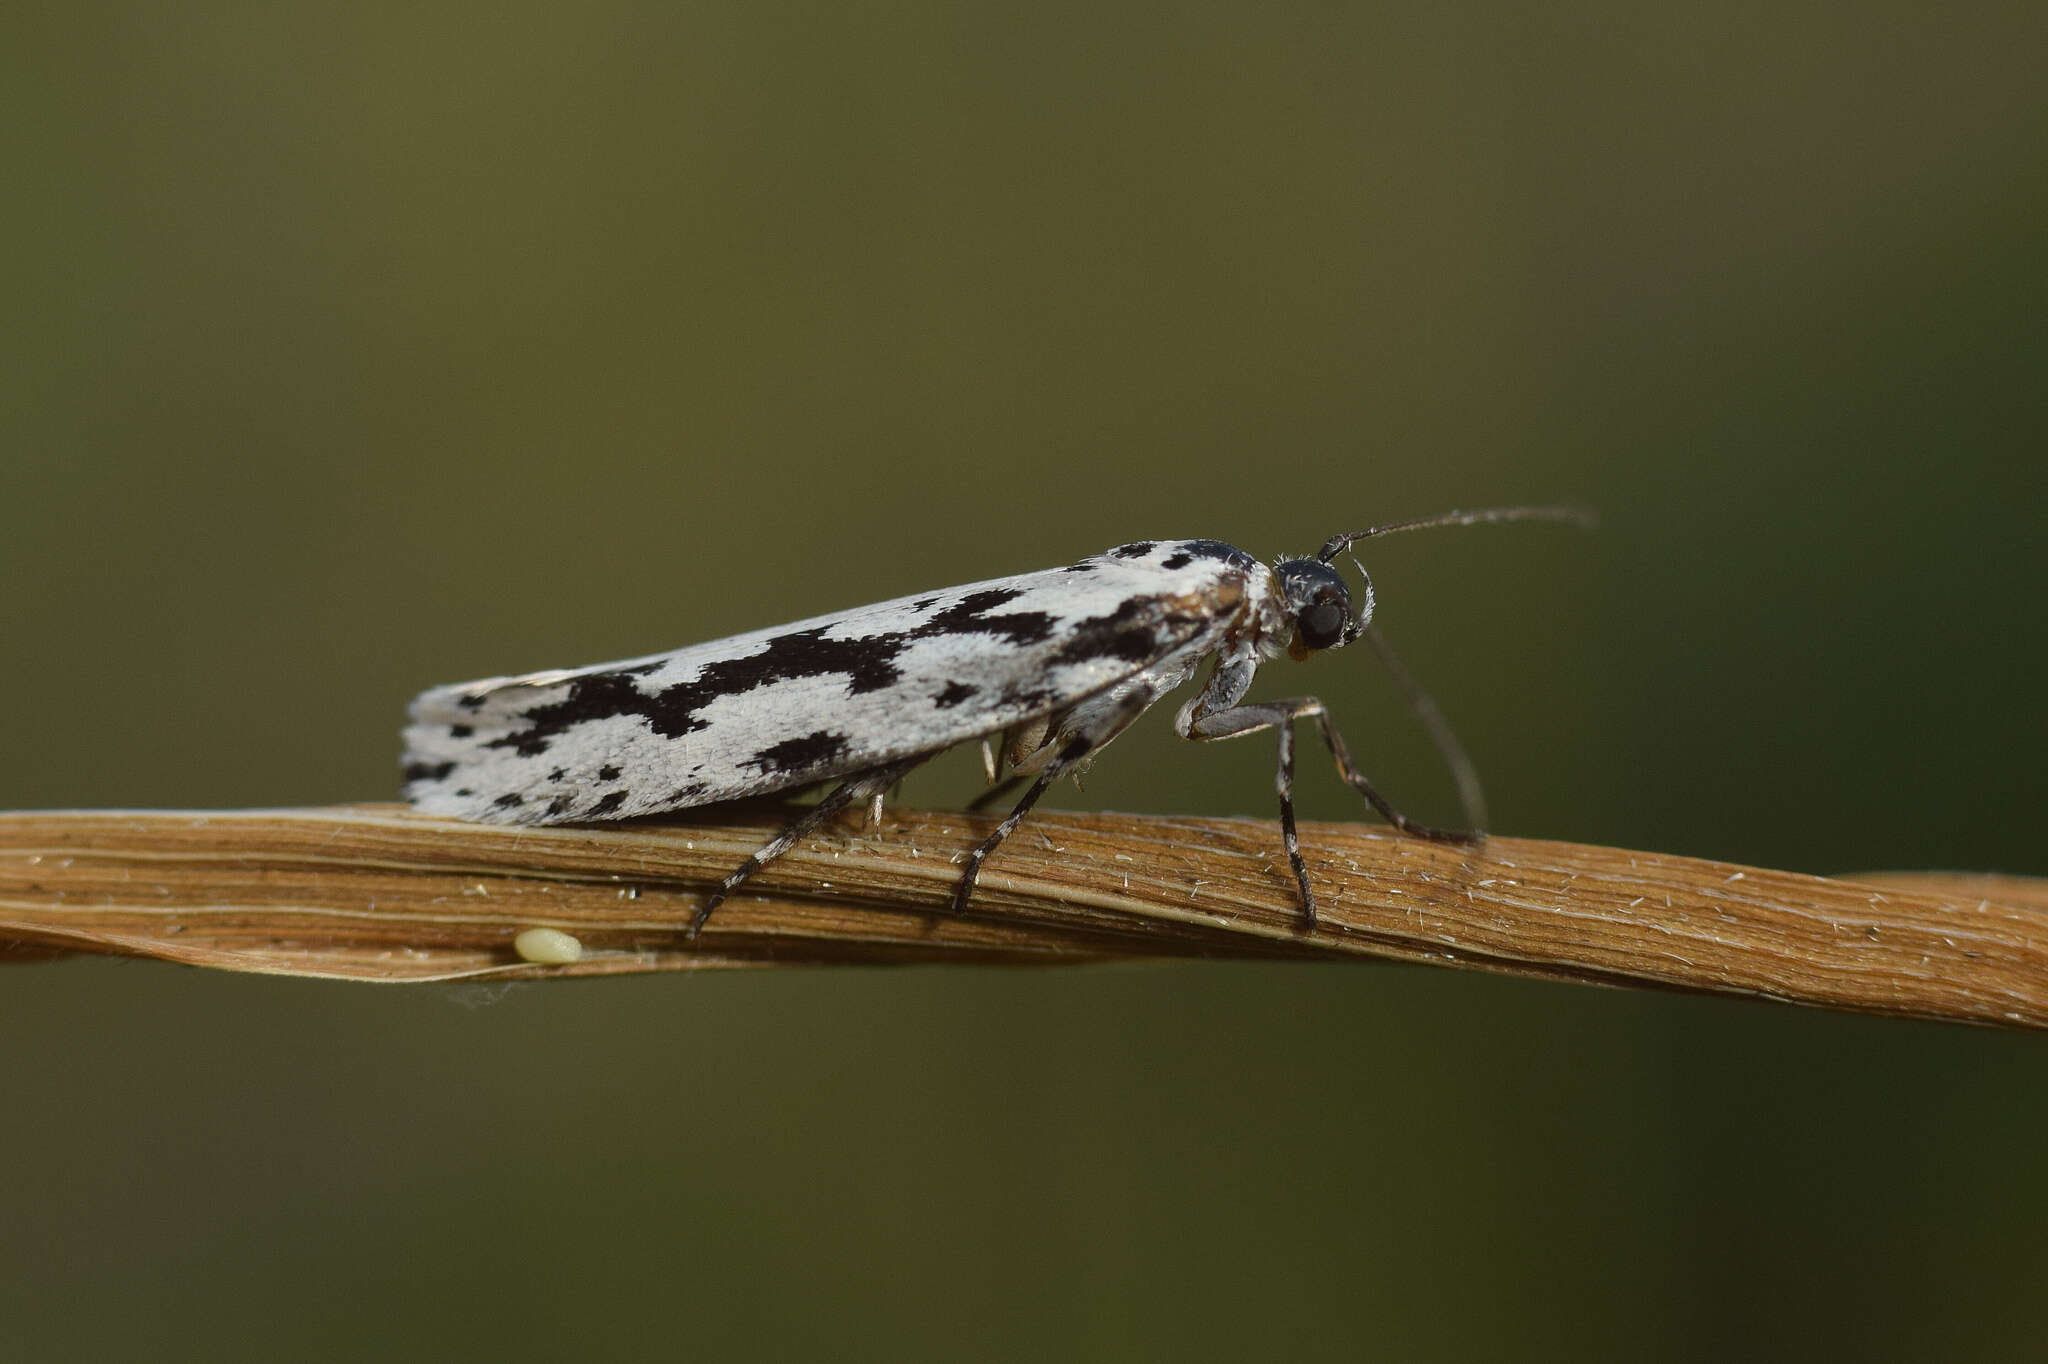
1321, 625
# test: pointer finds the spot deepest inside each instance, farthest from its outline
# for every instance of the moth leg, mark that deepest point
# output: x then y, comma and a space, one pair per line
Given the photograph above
1050, 747
1068, 756
869, 785
1279, 716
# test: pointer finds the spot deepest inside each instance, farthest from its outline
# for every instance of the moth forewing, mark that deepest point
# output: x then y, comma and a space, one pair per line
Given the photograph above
822, 698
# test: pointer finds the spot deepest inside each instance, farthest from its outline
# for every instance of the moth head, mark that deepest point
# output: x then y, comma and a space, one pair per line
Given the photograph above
1318, 601
1319, 604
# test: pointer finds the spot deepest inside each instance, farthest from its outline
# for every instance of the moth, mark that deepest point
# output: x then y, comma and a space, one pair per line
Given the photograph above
1045, 668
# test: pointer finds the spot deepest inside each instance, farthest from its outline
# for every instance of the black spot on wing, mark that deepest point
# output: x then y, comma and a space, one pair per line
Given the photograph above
868, 663
1216, 549
508, 800
1192, 551
812, 750
595, 696
971, 615
1137, 549
427, 771
460, 731
1027, 696
560, 805
952, 694
1137, 631
608, 773
559, 774
608, 802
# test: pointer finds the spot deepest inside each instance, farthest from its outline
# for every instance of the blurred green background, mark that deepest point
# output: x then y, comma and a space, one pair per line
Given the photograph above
355, 351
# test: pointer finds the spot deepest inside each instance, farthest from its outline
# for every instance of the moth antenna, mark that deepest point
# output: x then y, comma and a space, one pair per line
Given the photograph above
1577, 516
1470, 794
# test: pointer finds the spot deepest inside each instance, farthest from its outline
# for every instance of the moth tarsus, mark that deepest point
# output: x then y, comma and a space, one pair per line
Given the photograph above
1045, 668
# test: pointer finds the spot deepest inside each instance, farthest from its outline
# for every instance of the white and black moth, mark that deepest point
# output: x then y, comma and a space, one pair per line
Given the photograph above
1050, 665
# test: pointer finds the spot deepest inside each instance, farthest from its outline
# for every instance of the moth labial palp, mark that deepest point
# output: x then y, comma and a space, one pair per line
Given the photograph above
1044, 669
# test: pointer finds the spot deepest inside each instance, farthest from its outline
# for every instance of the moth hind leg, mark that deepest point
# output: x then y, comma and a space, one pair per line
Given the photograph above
867, 786
1056, 746
1074, 752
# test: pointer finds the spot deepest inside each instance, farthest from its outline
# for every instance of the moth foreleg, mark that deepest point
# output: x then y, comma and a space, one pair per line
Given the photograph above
1280, 716
867, 786
1345, 768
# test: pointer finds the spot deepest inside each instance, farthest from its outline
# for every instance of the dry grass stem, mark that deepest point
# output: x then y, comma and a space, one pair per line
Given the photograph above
374, 892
